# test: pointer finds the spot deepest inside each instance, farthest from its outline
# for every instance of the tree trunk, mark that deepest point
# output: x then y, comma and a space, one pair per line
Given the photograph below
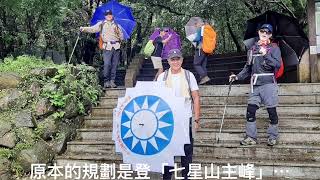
233, 36
66, 48
140, 34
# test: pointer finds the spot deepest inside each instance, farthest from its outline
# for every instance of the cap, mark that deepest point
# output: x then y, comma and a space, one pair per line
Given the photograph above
267, 26
108, 12
174, 53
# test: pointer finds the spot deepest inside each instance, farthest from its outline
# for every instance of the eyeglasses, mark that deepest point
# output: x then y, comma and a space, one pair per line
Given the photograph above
264, 31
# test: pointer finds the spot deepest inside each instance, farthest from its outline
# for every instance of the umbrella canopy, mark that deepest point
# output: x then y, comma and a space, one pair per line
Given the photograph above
191, 28
122, 16
173, 43
286, 32
155, 34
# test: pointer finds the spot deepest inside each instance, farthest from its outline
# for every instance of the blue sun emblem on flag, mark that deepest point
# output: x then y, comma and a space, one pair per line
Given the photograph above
147, 125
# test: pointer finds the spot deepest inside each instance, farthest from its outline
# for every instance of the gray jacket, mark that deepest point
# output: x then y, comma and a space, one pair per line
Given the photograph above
258, 64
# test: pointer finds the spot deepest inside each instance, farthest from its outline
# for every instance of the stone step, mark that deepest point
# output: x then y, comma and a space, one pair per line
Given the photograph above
213, 79
108, 114
210, 66
227, 135
270, 168
262, 123
216, 73
222, 90
235, 100
222, 74
211, 60
237, 110
213, 150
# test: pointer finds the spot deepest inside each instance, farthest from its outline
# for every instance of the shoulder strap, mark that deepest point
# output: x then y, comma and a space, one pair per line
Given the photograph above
101, 26
187, 74
166, 72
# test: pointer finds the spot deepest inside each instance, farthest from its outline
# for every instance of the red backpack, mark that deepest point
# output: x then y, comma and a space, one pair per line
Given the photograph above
279, 72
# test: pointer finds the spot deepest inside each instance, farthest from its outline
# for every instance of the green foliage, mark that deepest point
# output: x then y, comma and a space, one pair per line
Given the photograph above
73, 82
59, 115
35, 25
57, 98
17, 169
78, 83
22, 65
6, 153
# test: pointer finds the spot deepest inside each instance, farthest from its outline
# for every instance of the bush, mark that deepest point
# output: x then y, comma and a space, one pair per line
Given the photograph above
22, 65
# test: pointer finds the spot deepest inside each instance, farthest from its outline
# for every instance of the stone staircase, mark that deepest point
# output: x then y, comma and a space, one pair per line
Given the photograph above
297, 156
219, 68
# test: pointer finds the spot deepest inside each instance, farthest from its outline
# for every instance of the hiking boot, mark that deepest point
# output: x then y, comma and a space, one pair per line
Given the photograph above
204, 80
106, 84
248, 141
271, 142
112, 84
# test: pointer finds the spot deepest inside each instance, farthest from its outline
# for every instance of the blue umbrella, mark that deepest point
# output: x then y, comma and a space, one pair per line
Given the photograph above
122, 16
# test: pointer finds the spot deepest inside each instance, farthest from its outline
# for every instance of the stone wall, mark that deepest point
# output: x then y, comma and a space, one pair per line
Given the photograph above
34, 127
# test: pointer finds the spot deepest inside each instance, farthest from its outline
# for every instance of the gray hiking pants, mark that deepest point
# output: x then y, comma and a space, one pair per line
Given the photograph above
268, 95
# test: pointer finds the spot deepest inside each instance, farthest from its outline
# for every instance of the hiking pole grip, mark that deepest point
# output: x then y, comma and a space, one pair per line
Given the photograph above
74, 47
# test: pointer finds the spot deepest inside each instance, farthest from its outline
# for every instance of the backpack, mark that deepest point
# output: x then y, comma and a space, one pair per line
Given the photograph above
149, 48
209, 39
100, 35
187, 75
279, 72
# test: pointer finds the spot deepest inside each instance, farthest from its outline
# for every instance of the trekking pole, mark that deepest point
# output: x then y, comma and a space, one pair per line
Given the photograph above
74, 47
224, 111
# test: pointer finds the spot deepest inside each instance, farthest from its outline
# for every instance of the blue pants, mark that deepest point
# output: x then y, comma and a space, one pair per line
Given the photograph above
200, 63
111, 61
185, 160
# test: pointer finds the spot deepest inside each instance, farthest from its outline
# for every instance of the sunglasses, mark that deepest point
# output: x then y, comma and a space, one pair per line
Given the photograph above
264, 31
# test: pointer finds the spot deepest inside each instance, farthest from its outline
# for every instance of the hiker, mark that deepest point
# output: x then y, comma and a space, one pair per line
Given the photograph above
264, 59
159, 43
111, 38
185, 85
201, 56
